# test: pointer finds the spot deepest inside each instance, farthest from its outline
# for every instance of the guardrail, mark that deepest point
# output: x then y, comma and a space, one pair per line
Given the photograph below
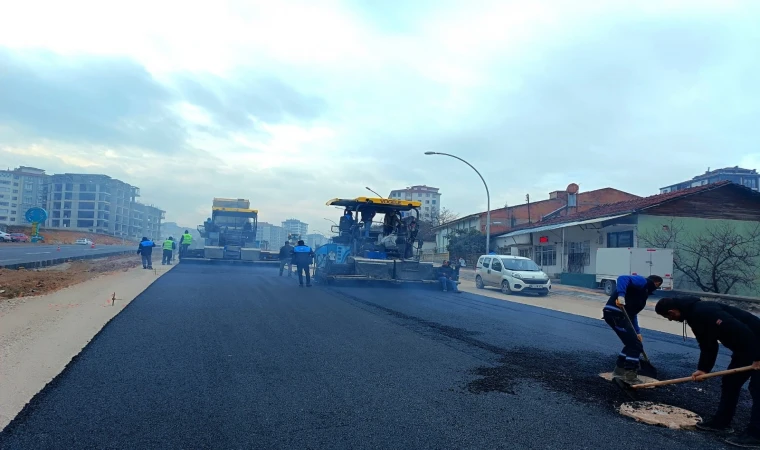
56, 261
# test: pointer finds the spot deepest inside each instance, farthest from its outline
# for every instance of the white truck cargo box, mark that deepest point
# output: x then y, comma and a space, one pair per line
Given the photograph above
613, 262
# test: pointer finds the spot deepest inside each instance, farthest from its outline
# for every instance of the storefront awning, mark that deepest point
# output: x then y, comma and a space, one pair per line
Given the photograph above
557, 226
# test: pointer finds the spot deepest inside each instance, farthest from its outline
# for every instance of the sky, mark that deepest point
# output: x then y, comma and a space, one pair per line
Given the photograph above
292, 103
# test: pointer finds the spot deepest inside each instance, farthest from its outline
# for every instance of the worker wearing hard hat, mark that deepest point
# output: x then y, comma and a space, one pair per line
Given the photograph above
169, 246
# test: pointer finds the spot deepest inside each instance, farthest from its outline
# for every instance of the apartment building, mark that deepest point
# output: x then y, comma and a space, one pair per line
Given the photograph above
269, 236
21, 189
100, 204
745, 177
295, 226
427, 195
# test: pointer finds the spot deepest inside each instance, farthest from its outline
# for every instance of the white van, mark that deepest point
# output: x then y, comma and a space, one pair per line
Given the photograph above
511, 274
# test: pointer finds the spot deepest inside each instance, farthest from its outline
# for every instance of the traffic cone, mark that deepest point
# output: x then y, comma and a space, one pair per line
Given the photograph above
92, 245
59, 249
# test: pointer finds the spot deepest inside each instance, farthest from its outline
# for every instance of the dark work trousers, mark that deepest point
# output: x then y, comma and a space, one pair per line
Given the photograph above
289, 264
167, 259
182, 250
628, 358
303, 268
730, 390
147, 260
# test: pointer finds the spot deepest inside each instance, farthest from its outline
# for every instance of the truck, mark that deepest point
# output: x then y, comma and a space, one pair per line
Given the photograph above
614, 262
230, 232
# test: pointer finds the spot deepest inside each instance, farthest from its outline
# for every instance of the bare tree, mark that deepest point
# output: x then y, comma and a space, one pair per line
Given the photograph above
719, 259
426, 232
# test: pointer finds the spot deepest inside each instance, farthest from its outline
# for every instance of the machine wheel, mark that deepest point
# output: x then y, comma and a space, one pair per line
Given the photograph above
505, 287
609, 287
479, 282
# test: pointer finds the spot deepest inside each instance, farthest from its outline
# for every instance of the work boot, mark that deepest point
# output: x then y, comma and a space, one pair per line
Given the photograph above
632, 377
744, 440
714, 426
619, 372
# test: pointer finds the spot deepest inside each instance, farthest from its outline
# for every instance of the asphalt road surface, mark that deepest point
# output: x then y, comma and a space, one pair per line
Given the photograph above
29, 253
239, 358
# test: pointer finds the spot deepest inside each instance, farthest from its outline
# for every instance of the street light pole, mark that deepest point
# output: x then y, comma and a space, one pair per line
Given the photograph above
367, 188
488, 197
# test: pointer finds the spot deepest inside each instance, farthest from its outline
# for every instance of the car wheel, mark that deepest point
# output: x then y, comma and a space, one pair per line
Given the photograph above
479, 282
609, 287
505, 287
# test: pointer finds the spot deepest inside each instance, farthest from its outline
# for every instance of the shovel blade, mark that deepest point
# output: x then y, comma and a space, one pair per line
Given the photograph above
647, 369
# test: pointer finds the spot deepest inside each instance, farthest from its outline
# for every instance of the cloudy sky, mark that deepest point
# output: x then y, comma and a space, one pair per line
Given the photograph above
291, 103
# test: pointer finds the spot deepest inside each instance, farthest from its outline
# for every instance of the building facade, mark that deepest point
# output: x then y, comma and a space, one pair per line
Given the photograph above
568, 245
315, 240
100, 204
270, 237
295, 226
559, 204
429, 196
21, 189
746, 177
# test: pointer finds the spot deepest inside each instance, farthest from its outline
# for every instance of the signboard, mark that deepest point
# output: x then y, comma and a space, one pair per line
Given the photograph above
543, 239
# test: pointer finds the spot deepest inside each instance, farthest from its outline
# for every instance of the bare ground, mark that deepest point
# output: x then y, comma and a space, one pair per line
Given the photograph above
25, 283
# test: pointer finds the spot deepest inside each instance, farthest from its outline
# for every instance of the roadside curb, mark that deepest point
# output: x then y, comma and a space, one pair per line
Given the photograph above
56, 261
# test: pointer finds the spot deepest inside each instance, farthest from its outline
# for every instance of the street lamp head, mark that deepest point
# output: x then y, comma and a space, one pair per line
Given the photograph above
431, 153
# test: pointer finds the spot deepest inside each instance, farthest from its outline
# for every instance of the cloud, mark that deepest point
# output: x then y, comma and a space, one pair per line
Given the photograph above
290, 104
95, 100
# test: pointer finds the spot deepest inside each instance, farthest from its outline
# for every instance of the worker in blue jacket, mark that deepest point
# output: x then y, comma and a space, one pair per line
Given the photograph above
303, 256
631, 294
145, 249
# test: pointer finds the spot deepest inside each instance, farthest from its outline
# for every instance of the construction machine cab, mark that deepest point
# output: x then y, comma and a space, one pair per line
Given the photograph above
394, 237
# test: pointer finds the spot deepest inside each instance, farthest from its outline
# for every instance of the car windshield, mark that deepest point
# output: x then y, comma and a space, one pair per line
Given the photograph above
522, 265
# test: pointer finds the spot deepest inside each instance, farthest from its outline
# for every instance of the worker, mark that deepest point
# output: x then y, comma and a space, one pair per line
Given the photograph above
390, 222
168, 246
738, 331
345, 223
145, 249
631, 294
302, 258
367, 214
286, 258
184, 244
446, 277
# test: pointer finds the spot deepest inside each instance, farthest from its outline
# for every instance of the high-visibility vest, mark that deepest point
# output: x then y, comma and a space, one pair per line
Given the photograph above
168, 244
187, 238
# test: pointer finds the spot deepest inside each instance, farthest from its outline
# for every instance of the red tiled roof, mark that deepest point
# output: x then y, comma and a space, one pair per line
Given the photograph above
629, 206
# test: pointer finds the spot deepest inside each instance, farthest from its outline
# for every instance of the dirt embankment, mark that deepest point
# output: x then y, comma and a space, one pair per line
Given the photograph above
69, 237
26, 283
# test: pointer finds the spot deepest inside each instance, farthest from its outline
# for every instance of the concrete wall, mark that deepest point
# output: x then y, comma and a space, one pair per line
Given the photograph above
694, 226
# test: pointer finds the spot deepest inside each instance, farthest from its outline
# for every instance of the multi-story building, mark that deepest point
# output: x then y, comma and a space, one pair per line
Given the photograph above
427, 195
270, 237
21, 189
745, 177
100, 204
295, 226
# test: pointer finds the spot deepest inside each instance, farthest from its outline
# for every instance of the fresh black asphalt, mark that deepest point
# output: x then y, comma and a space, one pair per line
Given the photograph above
239, 358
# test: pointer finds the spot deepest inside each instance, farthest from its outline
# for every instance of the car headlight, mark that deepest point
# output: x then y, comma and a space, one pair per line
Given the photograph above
517, 275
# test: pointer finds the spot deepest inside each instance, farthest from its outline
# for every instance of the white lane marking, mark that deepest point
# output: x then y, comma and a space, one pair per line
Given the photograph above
38, 253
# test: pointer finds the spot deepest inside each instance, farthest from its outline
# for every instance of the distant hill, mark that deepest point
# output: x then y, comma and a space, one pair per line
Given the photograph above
174, 230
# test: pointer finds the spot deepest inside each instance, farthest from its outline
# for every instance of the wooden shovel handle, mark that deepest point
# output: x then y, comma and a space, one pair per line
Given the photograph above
685, 379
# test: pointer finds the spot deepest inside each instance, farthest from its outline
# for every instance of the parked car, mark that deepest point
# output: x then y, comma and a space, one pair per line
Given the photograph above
5, 237
511, 274
19, 237
83, 241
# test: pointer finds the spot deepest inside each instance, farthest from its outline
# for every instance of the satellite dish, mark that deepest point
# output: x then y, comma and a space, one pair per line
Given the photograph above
36, 215
572, 188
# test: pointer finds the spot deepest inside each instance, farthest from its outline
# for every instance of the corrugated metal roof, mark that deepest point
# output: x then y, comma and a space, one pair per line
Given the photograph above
562, 225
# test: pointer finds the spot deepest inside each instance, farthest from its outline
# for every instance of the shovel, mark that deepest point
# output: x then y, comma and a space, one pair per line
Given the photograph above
647, 369
685, 379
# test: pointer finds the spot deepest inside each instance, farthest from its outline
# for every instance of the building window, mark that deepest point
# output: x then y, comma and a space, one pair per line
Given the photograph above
427, 202
434, 202
546, 255
525, 252
28, 185
578, 256
622, 239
